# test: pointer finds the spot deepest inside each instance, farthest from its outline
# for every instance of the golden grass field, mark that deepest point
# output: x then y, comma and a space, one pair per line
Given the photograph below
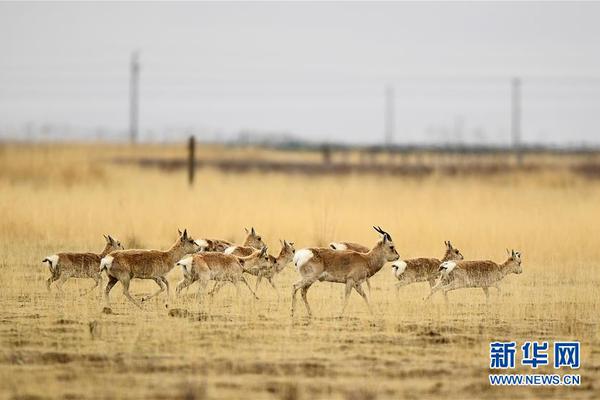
60, 345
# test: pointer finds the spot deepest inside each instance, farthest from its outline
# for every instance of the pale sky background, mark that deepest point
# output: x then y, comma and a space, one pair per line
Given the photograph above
314, 70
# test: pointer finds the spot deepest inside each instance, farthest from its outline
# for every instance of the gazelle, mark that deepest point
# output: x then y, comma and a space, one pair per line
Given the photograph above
354, 247
79, 265
473, 274
277, 264
218, 245
123, 265
220, 267
423, 269
252, 242
341, 266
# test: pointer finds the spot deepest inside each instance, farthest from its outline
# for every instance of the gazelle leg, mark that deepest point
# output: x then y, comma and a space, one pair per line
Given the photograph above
273, 286
202, 284
61, 281
401, 284
487, 294
96, 284
218, 285
112, 281
304, 291
161, 289
300, 285
258, 279
368, 285
183, 284
249, 288
349, 285
166, 282
360, 291
215, 287
51, 280
437, 287
125, 284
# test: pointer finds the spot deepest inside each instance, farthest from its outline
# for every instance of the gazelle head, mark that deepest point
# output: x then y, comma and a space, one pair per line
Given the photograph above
387, 245
253, 239
186, 243
286, 254
112, 244
258, 259
514, 261
452, 253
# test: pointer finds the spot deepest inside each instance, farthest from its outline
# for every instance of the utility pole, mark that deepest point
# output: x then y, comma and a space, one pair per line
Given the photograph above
515, 126
134, 80
389, 115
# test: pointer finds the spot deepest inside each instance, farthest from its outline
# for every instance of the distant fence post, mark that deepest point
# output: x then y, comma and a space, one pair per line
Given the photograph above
326, 151
191, 160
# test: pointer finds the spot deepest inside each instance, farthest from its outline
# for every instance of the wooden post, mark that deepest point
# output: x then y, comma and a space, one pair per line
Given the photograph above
326, 151
191, 160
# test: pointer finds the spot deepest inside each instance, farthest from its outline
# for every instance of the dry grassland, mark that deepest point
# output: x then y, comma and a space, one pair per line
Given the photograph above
60, 345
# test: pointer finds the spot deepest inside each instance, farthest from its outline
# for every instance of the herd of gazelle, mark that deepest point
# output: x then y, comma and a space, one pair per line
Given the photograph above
205, 260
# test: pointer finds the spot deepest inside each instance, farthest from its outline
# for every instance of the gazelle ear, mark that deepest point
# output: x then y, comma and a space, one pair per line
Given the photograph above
110, 239
508, 252
246, 230
252, 231
513, 253
179, 231
263, 251
183, 235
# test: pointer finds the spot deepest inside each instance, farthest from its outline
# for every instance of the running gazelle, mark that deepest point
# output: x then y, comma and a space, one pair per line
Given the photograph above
354, 247
348, 267
124, 265
423, 269
219, 245
473, 274
79, 265
221, 268
276, 264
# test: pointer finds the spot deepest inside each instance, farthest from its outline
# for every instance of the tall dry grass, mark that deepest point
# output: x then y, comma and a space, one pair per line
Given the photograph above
65, 197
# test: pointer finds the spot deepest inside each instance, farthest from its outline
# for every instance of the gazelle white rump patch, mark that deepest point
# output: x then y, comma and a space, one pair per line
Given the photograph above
53, 260
185, 264
203, 244
447, 266
230, 250
302, 257
106, 262
398, 268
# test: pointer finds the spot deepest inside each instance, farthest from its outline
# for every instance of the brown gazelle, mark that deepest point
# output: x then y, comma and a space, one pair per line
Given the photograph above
348, 267
423, 269
277, 264
79, 265
123, 265
476, 274
252, 242
218, 245
354, 247
219, 267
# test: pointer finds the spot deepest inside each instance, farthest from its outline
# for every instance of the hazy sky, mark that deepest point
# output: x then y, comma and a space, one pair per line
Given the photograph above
316, 70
